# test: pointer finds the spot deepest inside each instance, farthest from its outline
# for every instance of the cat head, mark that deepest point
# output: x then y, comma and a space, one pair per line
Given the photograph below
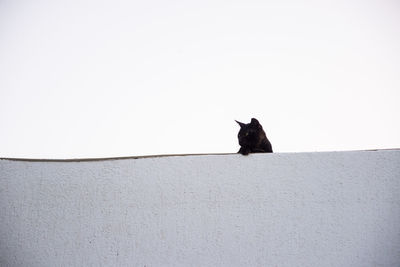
249, 134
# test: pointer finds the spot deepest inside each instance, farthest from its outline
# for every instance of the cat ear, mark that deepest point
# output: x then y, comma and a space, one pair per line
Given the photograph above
240, 123
254, 122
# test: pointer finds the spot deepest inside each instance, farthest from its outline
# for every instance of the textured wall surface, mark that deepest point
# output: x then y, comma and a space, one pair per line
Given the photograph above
302, 209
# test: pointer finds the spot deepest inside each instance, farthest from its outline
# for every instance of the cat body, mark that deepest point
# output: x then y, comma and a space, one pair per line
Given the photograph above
252, 138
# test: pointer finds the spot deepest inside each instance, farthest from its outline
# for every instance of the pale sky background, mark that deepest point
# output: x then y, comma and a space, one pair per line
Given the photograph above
124, 78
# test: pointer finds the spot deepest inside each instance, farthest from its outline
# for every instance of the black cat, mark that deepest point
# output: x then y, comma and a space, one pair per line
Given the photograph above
252, 138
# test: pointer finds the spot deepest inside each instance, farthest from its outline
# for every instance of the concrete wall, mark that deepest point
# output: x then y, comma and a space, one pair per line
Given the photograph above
304, 209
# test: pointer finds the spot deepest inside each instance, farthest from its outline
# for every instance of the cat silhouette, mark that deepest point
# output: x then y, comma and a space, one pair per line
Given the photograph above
252, 138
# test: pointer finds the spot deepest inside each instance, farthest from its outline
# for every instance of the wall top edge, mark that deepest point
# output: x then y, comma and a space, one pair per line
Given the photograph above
169, 155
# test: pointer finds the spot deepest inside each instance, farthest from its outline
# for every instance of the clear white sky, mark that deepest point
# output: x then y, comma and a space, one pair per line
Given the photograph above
122, 78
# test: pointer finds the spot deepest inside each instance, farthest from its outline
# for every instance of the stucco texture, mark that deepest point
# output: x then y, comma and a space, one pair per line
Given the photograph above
281, 209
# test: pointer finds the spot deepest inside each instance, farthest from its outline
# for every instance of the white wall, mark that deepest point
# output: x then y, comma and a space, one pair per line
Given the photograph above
303, 209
